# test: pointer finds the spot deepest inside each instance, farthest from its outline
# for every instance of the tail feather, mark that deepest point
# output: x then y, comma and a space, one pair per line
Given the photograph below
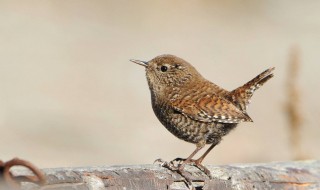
241, 96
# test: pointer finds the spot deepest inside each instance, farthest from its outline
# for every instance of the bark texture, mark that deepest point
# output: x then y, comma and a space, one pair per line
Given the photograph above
278, 175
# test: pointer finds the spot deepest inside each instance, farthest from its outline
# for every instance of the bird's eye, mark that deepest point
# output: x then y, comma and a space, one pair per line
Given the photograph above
164, 68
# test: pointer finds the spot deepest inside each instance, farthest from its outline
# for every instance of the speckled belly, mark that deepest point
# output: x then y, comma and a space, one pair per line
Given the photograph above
191, 130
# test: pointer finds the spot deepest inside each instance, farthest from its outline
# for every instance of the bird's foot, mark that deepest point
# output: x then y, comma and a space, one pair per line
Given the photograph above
179, 161
187, 179
166, 164
202, 168
175, 166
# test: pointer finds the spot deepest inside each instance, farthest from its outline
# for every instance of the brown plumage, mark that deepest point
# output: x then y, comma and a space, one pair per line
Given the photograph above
193, 108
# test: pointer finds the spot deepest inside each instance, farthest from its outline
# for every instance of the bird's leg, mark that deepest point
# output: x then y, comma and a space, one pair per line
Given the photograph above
198, 164
200, 145
199, 160
180, 170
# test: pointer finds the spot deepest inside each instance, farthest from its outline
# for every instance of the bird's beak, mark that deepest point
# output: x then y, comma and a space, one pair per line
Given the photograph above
143, 63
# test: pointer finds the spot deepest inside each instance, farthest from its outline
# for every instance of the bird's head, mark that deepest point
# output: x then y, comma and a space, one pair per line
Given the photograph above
168, 71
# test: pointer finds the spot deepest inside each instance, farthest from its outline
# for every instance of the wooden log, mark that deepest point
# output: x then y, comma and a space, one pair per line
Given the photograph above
278, 175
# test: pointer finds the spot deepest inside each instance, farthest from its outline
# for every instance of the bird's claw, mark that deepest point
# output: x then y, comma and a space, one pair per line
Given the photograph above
203, 169
166, 164
178, 161
175, 164
160, 161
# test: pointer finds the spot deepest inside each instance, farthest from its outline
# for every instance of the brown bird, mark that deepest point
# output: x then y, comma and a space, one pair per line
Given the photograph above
193, 108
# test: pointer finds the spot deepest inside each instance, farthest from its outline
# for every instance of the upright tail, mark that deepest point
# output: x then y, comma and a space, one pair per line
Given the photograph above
241, 96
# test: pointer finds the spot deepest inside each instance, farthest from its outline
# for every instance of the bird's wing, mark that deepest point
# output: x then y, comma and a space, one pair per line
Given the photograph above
210, 108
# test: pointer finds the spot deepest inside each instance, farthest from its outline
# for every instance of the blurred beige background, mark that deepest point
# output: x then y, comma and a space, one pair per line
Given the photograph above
70, 97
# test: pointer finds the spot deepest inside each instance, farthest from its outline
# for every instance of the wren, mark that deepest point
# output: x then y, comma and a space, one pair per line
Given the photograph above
193, 108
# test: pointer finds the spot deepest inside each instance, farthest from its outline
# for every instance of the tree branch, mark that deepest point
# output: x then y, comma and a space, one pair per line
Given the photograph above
280, 175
